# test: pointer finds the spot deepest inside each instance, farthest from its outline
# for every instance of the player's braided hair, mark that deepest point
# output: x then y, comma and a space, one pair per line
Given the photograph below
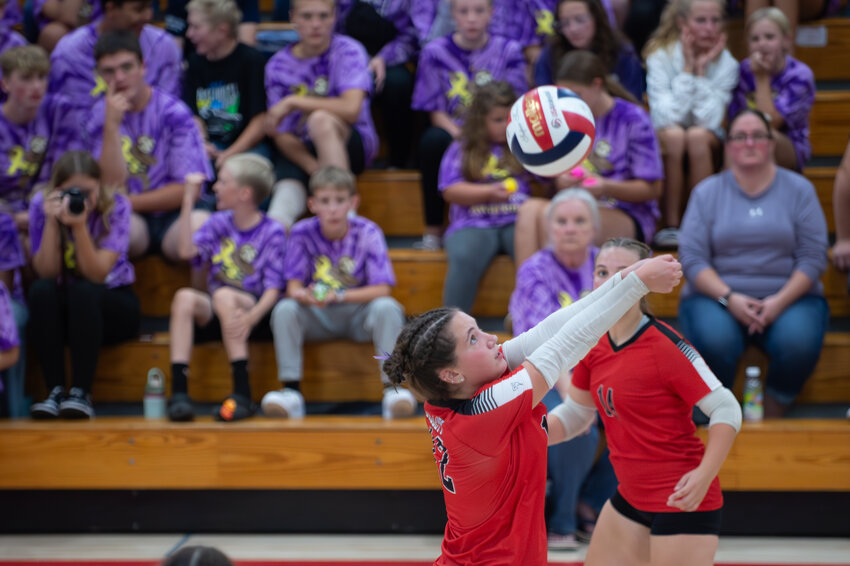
424, 347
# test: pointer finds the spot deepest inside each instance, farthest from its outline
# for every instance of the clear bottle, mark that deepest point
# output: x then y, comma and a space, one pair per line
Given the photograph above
753, 395
154, 399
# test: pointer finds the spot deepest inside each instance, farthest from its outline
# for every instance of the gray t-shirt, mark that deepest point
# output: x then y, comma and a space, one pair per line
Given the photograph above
754, 243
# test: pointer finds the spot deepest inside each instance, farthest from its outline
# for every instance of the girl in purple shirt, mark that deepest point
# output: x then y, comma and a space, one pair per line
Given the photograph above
318, 93
624, 168
79, 233
450, 69
485, 186
778, 85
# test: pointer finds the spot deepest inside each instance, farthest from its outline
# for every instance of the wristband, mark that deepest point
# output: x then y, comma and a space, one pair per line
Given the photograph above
724, 300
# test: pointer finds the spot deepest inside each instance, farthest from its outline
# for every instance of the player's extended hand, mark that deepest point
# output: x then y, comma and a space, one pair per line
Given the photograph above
690, 490
661, 274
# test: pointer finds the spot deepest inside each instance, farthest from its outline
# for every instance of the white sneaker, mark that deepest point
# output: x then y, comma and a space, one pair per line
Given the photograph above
398, 403
285, 404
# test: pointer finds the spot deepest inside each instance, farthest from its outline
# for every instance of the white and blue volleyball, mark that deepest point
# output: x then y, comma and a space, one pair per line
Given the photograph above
550, 130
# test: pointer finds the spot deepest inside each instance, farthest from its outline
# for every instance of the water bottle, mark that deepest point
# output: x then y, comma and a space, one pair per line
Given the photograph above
154, 400
753, 395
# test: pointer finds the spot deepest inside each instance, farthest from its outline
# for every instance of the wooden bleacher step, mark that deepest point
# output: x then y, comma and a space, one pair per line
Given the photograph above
344, 453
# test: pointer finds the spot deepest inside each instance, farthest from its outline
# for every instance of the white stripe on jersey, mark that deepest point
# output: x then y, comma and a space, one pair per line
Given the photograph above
699, 364
501, 392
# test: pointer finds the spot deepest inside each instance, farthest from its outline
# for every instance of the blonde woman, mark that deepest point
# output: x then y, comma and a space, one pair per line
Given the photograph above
690, 77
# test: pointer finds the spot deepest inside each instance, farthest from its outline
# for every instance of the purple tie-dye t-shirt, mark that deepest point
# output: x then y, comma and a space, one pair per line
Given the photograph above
793, 90
530, 21
358, 259
8, 329
343, 66
115, 238
72, 65
8, 40
484, 215
544, 285
250, 260
30, 150
90, 10
401, 48
625, 149
447, 74
11, 253
161, 143
12, 15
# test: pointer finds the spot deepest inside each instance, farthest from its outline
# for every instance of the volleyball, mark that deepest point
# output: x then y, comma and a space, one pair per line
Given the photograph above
550, 130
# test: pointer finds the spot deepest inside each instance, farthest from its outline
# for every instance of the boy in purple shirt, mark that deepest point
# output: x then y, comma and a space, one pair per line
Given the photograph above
450, 68
72, 70
145, 140
83, 297
12, 259
318, 105
35, 128
338, 281
242, 250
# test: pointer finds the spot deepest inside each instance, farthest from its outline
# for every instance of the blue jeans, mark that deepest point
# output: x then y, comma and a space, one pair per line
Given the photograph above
470, 252
574, 477
793, 342
14, 378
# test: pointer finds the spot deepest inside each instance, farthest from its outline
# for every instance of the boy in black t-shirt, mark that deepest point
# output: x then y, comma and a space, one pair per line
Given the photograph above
223, 84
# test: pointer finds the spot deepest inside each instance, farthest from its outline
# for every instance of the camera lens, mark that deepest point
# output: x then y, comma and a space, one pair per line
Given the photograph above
76, 200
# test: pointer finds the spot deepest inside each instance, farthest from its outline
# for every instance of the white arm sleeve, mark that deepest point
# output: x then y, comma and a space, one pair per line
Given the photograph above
574, 416
517, 349
720, 406
574, 340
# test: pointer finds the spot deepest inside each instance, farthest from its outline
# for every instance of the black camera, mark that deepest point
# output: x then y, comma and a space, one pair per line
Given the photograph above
76, 200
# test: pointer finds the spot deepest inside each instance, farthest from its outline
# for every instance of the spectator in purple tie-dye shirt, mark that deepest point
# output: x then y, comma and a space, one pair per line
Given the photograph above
72, 63
84, 296
9, 39
318, 93
623, 170
35, 129
778, 85
9, 349
145, 140
450, 69
11, 260
242, 250
56, 18
338, 281
485, 186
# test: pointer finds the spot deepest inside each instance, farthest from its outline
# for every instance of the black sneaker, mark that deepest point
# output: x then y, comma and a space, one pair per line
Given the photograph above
180, 408
49, 408
77, 405
235, 408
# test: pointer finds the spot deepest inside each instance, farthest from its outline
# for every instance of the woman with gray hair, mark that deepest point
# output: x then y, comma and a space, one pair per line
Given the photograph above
553, 278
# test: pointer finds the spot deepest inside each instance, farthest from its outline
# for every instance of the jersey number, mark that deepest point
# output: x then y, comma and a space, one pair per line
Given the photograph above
606, 400
442, 457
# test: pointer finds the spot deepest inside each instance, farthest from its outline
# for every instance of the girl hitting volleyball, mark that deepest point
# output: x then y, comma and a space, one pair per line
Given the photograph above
483, 409
485, 185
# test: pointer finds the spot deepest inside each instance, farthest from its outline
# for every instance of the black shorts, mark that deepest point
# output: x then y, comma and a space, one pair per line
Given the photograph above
211, 332
158, 225
673, 523
286, 169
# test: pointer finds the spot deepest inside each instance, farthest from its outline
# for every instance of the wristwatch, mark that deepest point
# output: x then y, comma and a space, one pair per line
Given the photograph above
340, 295
724, 299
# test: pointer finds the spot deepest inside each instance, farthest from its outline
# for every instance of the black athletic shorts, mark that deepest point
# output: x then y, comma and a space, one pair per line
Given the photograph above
673, 523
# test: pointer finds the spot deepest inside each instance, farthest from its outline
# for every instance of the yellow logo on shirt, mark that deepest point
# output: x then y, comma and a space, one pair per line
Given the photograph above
493, 170
70, 256
100, 87
564, 299
18, 162
459, 88
336, 278
545, 22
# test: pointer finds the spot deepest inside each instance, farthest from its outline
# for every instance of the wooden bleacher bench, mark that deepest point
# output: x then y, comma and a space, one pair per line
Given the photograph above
344, 453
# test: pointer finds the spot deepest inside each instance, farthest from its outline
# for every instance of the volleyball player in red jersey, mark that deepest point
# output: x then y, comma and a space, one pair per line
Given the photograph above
644, 379
488, 427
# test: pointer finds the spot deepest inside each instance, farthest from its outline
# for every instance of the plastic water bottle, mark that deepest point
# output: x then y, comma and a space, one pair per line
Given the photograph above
154, 400
753, 395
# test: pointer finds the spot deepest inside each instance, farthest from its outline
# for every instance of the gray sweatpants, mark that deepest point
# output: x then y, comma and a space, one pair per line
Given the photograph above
380, 320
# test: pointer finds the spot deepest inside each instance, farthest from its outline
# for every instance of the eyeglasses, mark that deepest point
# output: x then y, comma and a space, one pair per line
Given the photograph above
755, 137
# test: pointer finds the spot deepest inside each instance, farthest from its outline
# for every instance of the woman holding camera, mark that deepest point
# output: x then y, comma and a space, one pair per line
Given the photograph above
80, 233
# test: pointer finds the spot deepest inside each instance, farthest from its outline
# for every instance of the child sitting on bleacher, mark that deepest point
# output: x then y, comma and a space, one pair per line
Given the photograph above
79, 232
689, 80
147, 141
484, 185
318, 93
338, 281
778, 85
11, 260
243, 251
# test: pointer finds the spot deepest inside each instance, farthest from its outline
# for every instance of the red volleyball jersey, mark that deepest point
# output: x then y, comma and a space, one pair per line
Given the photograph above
491, 455
644, 391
